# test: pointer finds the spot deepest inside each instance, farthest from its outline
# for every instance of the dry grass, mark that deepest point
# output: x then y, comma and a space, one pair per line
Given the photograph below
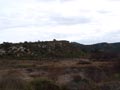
12, 80
60, 71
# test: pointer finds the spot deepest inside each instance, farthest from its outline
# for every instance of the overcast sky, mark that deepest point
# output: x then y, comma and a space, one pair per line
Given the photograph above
83, 21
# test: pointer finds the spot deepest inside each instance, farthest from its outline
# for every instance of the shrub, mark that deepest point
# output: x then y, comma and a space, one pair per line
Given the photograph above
44, 84
79, 83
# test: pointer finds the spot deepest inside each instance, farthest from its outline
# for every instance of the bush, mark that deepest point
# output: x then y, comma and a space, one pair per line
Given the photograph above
44, 84
79, 83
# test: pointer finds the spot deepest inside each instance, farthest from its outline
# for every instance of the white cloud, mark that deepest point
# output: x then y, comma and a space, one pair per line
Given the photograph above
86, 21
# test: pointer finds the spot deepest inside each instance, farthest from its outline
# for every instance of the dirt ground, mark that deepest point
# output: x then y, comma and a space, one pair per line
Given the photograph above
61, 71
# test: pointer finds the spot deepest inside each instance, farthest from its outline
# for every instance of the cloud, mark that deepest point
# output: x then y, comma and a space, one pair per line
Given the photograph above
103, 11
113, 0
53, 0
85, 21
60, 20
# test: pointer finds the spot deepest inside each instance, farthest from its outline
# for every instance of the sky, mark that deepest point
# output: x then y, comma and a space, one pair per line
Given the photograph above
83, 21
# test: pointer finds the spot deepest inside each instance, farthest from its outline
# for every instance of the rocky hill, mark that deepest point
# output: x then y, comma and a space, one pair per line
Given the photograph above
38, 50
58, 49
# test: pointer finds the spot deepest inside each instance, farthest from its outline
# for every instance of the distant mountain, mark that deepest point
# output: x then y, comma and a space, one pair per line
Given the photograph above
59, 49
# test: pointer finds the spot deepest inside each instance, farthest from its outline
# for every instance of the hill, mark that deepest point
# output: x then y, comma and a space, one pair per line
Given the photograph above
59, 49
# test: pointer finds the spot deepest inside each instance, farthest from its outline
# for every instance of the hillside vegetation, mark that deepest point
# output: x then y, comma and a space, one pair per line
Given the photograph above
59, 49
